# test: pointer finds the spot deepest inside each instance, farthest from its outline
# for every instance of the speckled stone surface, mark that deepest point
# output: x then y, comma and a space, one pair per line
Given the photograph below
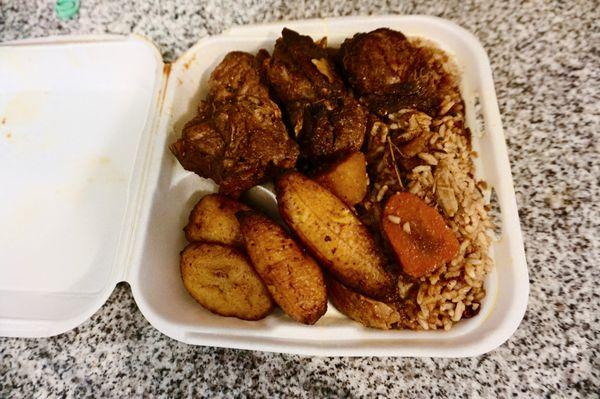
546, 62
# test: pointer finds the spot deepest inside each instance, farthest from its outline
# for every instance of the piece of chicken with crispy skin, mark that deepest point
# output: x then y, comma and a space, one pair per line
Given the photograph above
326, 120
238, 137
388, 73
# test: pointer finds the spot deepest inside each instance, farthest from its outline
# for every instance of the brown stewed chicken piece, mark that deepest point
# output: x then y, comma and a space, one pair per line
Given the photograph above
238, 137
326, 120
237, 75
388, 73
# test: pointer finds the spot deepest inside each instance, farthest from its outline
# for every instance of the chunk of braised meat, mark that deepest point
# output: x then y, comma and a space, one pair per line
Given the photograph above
238, 137
332, 127
301, 70
237, 75
326, 120
388, 73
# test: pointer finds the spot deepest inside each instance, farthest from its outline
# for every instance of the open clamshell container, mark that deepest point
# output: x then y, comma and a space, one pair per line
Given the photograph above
90, 194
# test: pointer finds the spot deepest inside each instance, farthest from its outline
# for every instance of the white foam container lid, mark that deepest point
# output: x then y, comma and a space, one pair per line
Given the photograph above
90, 195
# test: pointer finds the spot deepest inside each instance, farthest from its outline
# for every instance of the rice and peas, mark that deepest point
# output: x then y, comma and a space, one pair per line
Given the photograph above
443, 175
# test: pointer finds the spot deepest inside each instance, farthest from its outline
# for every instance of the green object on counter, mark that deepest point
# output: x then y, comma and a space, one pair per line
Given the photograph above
66, 9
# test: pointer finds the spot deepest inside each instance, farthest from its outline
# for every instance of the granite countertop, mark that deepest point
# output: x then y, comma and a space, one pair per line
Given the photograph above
546, 64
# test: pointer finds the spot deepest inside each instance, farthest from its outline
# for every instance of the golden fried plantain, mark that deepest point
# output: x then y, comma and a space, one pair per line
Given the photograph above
222, 280
213, 220
293, 278
362, 309
329, 228
347, 178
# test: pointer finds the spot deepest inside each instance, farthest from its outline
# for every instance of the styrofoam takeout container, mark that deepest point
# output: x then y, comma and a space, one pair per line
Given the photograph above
91, 196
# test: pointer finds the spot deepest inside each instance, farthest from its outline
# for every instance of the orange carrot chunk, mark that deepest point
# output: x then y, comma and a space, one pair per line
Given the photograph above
418, 234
